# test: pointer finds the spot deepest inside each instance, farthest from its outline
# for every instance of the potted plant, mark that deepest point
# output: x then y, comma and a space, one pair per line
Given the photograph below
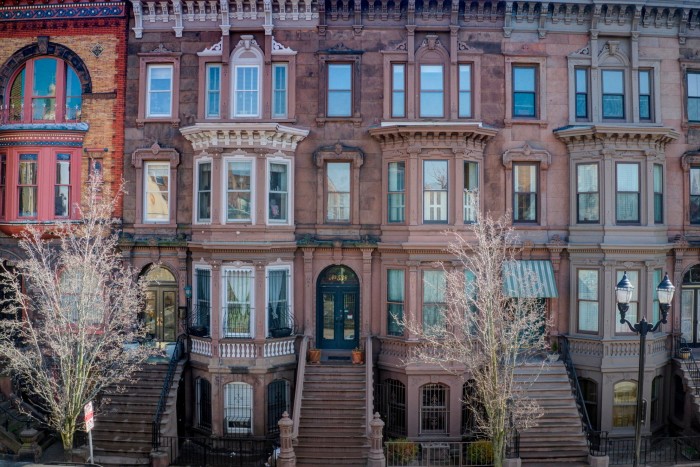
553, 354
313, 355
357, 356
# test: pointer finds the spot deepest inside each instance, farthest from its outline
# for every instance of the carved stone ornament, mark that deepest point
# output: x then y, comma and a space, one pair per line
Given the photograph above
527, 153
161, 49
213, 51
583, 51
279, 49
462, 45
247, 41
401, 46
339, 48
431, 41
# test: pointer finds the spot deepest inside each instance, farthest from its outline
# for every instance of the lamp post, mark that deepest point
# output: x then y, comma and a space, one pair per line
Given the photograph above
623, 295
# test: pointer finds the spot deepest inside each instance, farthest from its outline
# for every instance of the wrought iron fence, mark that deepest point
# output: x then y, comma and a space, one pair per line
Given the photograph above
199, 320
280, 321
390, 402
658, 450
220, 451
448, 453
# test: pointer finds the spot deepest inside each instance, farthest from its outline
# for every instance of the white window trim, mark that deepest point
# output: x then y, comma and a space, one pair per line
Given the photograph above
290, 291
275, 65
290, 190
195, 211
236, 63
146, 220
224, 190
149, 69
253, 311
207, 67
205, 267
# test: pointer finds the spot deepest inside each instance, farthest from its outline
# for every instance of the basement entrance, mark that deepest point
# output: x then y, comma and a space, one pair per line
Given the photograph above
338, 309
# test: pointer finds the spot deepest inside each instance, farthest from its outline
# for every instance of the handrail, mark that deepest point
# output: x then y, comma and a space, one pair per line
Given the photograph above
301, 368
597, 440
172, 365
369, 383
27, 420
691, 365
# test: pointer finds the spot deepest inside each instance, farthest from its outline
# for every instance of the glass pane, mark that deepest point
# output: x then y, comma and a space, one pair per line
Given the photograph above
169, 305
588, 284
239, 175
349, 316
73, 95
644, 82
588, 316
613, 82
339, 77
523, 104
525, 178
658, 178
627, 207
471, 175
525, 208
160, 78
613, 106
328, 316
396, 176
465, 104
398, 77
587, 177
524, 79
17, 98
45, 77
627, 177
27, 201
238, 205
435, 175
397, 204
465, 77
644, 107
278, 177
694, 209
205, 176
588, 207
581, 105
581, 80
63, 171
398, 104
339, 103
431, 78
693, 84
431, 104
44, 108
338, 174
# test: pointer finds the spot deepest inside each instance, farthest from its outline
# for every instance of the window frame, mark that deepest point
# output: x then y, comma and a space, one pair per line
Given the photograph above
631, 405
351, 91
579, 193
250, 408
603, 94
327, 193
695, 71
389, 205
694, 220
421, 90
208, 91
252, 203
533, 92
166, 166
154, 154
225, 270
287, 268
198, 191
289, 192
540, 63
621, 329
536, 167
394, 327
470, 91
585, 93
443, 411
196, 299
439, 305
159, 58
658, 206
638, 192
394, 90
149, 91
578, 299
444, 219
467, 203
650, 94
274, 90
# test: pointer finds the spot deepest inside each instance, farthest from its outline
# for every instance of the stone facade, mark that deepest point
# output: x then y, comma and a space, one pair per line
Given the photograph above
347, 111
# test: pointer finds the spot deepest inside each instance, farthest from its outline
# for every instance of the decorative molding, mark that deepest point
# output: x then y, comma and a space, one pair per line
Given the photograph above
76, 10
279, 49
214, 51
454, 136
268, 136
247, 41
463, 46
527, 153
689, 159
650, 140
339, 151
155, 153
583, 51
431, 41
161, 49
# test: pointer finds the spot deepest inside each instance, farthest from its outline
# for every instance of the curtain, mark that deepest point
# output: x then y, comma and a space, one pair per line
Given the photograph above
238, 285
277, 299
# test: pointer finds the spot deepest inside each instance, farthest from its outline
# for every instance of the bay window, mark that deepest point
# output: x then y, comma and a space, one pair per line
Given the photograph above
432, 95
396, 200
238, 302
587, 194
278, 192
435, 186
627, 195
471, 186
203, 191
279, 316
587, 300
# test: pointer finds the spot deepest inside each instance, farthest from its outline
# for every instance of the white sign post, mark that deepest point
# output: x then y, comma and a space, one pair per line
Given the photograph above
89, 425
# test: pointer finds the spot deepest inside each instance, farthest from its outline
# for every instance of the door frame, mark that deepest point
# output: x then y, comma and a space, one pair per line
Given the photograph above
337, 288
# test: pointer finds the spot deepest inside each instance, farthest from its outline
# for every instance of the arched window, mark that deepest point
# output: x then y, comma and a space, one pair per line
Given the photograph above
589, 392
624, 403
277, 404
44, 89
434, 409
202, 412
246, 73
238, 408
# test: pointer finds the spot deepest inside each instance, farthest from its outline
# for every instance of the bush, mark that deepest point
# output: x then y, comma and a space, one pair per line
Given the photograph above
402, 451
480, 452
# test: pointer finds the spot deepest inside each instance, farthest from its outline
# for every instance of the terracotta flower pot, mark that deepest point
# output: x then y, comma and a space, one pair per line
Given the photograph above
314, 355
357, 357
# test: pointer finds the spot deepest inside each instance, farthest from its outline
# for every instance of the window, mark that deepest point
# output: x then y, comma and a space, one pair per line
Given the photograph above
398, 90
338, 192
624, 404
645, 102
581, 75
278, 194
204, 191
432, 96
202, 389
396, 200
159, 84
246, 92
587, 300
213, 90
27, 185
238, 190
693, 78
587, 195
279, 313
524, 91
435, 184
694, 195
658, 194
632, 314
277, 404
45, 89
471, 187
395, 301
655, 281
62, 192
627, 196
656, 408
525, 192
157, 191
589, 391
434, 409
201, 312
279, 90
613, 84
433, 299
339, 90
238, 408
238, 302
465, 91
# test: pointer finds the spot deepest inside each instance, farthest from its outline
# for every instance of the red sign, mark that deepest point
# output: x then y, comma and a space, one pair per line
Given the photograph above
89, 420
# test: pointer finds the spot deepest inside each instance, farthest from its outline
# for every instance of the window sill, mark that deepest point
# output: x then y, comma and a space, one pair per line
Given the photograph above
156, 225
320, 121
175, 122
508, 122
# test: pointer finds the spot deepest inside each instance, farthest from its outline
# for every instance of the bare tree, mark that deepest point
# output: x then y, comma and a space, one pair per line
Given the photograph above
483, 334
69, 306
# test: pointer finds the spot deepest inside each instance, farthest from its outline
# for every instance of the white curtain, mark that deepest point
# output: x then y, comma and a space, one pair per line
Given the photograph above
238, 287
277, 299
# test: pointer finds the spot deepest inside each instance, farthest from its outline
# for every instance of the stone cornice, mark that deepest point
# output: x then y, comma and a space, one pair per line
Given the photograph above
650, 139
431, 135
205, 136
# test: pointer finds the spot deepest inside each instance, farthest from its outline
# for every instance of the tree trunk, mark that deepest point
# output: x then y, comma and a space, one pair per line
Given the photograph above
67, 432
499, 448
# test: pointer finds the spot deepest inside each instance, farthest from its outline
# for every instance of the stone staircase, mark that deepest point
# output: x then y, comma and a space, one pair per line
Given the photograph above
558, 438
122, 433
332, 424
13, 422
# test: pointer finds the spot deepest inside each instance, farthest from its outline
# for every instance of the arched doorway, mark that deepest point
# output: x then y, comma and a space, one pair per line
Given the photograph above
160, 314
338, 309
690, 305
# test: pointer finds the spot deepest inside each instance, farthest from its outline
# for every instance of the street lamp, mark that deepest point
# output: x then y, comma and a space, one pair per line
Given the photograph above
623, 295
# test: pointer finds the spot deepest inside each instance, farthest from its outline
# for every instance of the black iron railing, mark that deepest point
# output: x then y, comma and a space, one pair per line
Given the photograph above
390, 402
172, 365
656, 450
597, 440
237, 320
512, 444
199, 320
220, 451
280, 322
684, 352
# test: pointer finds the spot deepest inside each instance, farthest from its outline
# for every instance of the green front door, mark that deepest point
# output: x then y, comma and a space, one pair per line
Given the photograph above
338, 323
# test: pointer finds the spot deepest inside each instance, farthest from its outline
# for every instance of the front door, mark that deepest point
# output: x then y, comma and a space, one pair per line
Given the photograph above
338, 323
160, 314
